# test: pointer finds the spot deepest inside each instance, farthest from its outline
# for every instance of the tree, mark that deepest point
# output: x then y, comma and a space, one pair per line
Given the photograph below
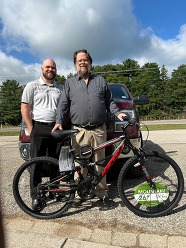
178, 86
10, 98
130, 69
167, 95
165, 91
60, 79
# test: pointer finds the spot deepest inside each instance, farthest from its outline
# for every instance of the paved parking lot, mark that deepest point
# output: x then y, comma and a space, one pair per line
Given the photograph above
119, 219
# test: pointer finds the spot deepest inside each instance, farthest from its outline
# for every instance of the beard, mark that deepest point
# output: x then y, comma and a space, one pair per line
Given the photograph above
84, 71
49, 76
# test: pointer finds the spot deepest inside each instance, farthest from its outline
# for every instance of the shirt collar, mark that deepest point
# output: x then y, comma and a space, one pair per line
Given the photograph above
43, 82
80, 77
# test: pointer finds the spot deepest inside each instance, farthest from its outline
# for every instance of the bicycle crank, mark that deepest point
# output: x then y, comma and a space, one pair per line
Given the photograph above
85, 190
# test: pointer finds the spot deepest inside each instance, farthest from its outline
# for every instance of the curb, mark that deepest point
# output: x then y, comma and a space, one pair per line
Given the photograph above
21, 233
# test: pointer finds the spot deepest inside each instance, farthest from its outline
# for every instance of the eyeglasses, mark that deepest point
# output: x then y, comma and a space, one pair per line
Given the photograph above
82, 61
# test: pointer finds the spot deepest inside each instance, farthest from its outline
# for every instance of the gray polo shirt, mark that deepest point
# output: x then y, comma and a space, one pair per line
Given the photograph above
87, 103
43, 99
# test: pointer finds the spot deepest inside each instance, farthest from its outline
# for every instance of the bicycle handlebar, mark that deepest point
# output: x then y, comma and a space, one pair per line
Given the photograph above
130, 120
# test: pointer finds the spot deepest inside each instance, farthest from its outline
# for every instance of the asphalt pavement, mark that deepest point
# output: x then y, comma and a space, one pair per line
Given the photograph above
88, 227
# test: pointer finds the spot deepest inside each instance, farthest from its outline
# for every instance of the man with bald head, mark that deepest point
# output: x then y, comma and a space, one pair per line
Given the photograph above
38, 108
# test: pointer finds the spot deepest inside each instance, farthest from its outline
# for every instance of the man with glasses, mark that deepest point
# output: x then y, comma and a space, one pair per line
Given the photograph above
88, 98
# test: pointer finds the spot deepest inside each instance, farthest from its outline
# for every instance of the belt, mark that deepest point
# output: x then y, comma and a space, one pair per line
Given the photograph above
50, 124
88, 126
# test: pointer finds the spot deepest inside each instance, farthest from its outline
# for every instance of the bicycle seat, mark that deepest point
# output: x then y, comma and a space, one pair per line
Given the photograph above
61, 134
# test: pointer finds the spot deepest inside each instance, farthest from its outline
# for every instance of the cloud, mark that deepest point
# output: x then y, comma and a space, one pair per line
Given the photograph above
14, 69
60, 28
107, 28
171, 52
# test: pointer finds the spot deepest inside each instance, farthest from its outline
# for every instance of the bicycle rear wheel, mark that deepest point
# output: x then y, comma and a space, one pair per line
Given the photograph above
56, 195
156, 199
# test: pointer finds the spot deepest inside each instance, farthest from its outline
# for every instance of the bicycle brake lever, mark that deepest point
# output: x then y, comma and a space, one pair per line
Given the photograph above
133, 121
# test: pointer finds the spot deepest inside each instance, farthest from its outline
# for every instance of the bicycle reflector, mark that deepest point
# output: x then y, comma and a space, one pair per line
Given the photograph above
66, 162
86, 151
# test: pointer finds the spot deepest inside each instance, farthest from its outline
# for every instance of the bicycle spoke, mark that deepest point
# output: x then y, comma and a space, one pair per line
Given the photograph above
55, 195
150, 200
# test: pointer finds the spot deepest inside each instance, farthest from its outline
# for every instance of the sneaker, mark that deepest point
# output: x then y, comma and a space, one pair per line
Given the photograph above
36, 205
106, 203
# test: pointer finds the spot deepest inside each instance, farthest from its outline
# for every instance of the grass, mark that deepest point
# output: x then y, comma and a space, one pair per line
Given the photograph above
9, 133
152, 127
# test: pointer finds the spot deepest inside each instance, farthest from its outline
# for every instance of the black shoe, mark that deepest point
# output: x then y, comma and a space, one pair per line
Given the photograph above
37, 205
51, 196
106, 203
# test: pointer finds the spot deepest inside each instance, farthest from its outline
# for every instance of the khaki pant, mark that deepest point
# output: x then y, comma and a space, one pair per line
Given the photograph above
94, 138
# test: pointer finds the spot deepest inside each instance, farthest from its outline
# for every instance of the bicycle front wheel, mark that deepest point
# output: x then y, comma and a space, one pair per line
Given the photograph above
55, 195
157, 196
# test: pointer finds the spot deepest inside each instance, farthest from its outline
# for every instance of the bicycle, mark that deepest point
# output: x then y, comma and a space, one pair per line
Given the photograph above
153, 190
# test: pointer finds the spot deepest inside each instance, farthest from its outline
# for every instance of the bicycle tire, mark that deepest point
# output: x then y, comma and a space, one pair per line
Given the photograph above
143, 200
52, 208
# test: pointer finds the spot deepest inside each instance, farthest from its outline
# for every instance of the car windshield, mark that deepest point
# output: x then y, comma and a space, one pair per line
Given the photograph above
119, 92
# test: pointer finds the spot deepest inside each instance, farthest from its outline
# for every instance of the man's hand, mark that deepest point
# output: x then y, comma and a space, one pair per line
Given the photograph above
121, 116
25, 111
57, 126
29, 129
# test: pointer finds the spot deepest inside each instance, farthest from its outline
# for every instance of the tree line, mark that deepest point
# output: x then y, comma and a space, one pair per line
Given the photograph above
167, 94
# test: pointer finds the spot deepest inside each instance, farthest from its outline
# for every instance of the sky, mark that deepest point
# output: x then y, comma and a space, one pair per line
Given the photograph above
112, 31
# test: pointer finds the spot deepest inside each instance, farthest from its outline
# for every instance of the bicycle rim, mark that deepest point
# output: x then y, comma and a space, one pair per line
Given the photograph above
154, 200
56, 198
